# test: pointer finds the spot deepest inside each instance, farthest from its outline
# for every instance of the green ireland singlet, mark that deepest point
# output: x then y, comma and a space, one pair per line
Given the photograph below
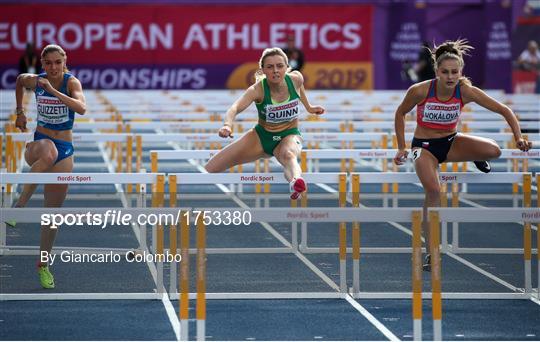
276, 113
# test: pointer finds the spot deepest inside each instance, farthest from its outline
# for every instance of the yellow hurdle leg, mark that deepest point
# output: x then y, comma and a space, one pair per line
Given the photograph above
436, 292
201, 281
417, 274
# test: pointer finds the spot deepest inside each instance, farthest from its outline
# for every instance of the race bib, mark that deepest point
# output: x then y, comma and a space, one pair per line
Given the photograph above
51, 110
283, 112
441, 113
416, 153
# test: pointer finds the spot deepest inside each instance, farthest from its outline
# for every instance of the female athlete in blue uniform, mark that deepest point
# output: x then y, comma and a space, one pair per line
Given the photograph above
277, 93
58, 96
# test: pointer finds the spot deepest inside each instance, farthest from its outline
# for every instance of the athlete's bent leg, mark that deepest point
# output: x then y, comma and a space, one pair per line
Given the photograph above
426, 166
54, 196
40, 156
476, 149
244, 150
287, 153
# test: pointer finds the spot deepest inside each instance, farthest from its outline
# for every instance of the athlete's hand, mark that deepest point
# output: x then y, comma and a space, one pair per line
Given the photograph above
225, 132
523, 144
401, 157
20, 122
317, 110
45, 84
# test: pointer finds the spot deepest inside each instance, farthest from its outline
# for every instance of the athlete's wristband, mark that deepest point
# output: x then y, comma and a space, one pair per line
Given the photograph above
19, 111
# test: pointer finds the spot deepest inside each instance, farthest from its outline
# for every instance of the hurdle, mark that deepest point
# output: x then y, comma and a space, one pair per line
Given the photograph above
387, 154
478, 126
145, 125
215, 114
234, 178
438, 215
455, 177
210, 138
69, 178
368, 121
315, 154
405, 177
265, 178
334, 154
33, 215
330, 215
116, 154
183, 276
75, 178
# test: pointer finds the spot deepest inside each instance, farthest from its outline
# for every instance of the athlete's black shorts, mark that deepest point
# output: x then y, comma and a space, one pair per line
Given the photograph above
439, 147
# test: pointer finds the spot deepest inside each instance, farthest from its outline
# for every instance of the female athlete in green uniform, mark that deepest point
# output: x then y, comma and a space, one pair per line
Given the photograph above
277, 93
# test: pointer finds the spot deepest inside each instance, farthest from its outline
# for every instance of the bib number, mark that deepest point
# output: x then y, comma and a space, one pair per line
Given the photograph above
416, 154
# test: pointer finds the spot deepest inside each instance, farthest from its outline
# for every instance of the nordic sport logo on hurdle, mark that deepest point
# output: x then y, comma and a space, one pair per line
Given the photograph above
445, 178
530, 215
78, 179
311, 214
257, 178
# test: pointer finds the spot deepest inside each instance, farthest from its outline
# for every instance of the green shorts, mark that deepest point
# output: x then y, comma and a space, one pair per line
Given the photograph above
270, 140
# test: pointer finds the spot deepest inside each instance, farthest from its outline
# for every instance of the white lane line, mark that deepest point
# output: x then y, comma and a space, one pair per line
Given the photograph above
483, 272
169, 309
383, 329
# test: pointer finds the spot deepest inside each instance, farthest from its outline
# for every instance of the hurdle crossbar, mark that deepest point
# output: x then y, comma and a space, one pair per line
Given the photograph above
390, 153
78, 137
488, 214
78, 178
444, 177
252, 178
500, 137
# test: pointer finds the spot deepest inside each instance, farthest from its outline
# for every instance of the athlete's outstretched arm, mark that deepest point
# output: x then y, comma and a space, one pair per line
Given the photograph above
474, 94
250, 95
412, 97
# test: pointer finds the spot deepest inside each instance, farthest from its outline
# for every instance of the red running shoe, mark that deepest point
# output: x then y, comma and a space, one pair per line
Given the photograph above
297, 187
